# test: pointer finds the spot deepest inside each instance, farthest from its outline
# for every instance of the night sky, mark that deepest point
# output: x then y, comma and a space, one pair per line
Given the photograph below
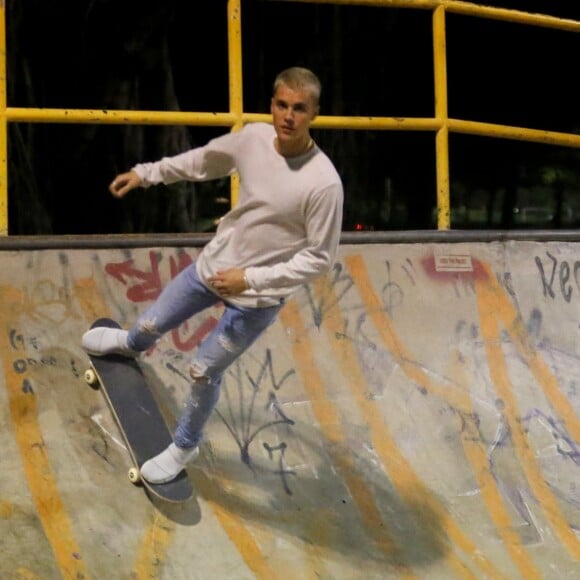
372, 61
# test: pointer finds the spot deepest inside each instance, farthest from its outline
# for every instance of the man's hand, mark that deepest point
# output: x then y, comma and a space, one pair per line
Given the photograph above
124, 183
229, 282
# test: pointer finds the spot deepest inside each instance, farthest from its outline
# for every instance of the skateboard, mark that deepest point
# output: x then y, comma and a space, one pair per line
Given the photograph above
137, 415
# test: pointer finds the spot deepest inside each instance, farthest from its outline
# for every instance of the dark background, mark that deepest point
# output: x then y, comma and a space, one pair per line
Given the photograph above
172, 55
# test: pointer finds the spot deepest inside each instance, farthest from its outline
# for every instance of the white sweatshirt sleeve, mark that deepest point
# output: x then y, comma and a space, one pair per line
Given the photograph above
212, 161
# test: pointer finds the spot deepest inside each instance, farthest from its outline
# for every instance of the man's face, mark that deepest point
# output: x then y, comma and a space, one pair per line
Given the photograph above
292, 113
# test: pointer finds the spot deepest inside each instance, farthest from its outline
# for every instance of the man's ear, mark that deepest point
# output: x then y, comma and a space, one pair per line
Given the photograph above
316, 111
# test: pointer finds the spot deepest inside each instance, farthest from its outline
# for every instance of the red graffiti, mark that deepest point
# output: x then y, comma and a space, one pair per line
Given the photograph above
182, 262
145, 285
199, 333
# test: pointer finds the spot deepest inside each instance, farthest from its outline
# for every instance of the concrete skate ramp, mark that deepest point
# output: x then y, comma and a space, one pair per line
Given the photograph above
414, 414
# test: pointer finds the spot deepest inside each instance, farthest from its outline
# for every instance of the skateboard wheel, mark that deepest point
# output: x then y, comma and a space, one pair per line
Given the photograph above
134, 475
91, 378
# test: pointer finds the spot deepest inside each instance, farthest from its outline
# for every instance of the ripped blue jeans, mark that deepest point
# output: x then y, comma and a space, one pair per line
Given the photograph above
236, 330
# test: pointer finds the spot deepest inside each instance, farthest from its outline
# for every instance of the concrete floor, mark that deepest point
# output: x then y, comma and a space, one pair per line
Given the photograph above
414, 414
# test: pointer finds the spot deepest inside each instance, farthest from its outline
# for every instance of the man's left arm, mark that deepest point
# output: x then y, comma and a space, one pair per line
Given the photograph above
323, 228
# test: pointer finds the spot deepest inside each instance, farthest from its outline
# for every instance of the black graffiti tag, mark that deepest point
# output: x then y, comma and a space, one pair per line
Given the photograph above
562, 273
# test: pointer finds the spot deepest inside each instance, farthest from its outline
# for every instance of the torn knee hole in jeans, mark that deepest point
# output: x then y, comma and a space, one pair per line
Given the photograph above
148, 327
198, 372
227, 343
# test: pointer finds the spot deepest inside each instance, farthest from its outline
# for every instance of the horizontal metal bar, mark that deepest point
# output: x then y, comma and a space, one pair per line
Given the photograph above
118, 241
517, 133
117, 117
321, 122
465, 8
509, 15
35, 115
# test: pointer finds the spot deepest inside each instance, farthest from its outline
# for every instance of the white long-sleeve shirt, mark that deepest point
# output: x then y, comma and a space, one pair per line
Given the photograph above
286, 226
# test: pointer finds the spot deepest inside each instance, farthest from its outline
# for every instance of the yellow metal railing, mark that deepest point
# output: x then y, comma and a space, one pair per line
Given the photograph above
3, 126
440, 124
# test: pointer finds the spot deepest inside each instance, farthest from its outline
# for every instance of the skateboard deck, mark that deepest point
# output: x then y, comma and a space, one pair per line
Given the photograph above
137, 415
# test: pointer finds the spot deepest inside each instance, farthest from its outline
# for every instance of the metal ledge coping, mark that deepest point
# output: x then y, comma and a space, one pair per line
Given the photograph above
111, 241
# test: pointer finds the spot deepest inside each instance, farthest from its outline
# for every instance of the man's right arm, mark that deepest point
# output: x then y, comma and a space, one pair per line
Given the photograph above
212, 161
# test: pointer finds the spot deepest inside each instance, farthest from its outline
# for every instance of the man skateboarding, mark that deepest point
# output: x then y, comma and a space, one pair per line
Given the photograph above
283, 233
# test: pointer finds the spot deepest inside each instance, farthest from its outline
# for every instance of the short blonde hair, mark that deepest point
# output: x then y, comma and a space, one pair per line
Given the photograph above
298, 78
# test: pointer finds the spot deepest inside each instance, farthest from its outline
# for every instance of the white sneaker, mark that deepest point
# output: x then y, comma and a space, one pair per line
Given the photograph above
102, 340
168, 464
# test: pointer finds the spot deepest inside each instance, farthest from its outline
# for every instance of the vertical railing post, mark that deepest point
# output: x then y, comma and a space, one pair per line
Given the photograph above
3, 126
442, 115
235, 77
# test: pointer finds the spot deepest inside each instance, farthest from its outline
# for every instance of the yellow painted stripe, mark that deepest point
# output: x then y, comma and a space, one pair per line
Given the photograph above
226, 506
247, 547
493, 306
516, 327
154, 546
316, 550
408, 484
476, 454
90, 300
333, 322
41, 480
6, 510
330, 424
347, 359
25, 574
